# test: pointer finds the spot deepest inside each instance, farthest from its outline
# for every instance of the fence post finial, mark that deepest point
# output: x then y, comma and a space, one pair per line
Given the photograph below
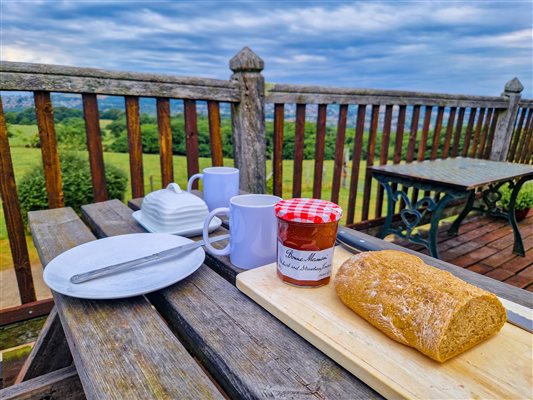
506, 120
513, 86
246, 61
248, 121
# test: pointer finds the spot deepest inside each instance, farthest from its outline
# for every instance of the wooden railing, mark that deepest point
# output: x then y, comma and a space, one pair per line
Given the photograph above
437, 126
459, 126
521, 147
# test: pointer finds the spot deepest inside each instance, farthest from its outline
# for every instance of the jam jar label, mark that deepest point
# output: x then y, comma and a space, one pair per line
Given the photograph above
304, 265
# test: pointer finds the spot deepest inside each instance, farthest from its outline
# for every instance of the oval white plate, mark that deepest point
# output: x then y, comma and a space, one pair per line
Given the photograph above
187, 231
116, 249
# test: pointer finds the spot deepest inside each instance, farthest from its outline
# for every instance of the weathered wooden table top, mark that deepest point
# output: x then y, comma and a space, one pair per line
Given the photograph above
199, 338
460, 173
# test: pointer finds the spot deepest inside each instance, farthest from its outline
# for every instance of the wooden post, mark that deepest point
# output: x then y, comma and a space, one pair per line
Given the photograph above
506, 121
248, 121
13, 217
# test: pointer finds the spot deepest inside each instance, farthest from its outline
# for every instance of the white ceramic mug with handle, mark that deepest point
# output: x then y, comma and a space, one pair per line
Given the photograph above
253, 230
220, 184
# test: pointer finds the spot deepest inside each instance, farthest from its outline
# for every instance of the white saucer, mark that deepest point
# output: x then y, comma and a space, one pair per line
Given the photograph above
187, 231
116, 249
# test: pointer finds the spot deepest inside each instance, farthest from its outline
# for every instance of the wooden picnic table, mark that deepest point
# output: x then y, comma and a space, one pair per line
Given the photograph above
451, 179
199, 338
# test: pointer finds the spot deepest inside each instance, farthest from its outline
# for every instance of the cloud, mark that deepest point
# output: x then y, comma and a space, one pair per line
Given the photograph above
466, 47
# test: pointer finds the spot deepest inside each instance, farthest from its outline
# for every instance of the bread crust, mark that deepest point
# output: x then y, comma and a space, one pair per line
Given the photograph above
416, 304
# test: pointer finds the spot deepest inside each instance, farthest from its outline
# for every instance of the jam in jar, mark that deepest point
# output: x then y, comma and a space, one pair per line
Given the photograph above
307, 229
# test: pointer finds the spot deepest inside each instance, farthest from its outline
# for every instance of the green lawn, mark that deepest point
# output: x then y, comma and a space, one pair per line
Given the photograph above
22, 135
24, 158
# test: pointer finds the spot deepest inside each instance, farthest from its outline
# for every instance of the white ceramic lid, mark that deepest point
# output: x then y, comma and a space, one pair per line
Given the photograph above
172, 208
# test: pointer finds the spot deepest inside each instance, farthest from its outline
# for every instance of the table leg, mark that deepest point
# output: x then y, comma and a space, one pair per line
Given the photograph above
391, 201
518, 247
434, 227
454, 229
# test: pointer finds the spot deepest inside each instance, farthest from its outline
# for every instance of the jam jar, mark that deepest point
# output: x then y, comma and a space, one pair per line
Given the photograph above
307, 229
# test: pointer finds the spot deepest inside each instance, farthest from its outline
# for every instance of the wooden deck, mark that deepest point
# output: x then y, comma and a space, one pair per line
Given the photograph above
485, 245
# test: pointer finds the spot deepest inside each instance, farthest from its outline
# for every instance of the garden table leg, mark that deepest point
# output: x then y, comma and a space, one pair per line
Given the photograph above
518, 247
454, 229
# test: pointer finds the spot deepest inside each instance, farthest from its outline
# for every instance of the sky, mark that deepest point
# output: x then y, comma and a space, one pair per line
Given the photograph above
467, 47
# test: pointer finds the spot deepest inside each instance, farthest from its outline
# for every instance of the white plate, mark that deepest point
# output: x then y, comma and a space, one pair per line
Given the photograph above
116, 249
188, 231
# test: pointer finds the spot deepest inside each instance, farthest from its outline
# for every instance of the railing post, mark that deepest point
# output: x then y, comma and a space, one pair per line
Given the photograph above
506, 121
248, 121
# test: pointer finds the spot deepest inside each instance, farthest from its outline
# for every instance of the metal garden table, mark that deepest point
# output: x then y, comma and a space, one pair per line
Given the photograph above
449, 179
199, 338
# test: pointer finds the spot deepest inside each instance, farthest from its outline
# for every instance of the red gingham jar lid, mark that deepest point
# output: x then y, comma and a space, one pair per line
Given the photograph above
312, 211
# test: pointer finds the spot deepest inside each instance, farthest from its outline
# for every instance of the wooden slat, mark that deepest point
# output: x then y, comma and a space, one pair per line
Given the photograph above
384, 155
319, 150
121, 348
492, 131
298, 150
277, 156
524, 139
528, 138
165, 140
469, 130
475, 140
356, 160
59, 78
458, 132
412, 140
94, 146
517, 134
339, 153
400, 127
215, 135
63, 384
413, 134
484, 133
13, 217
47, 134
287, 93
191, 139
118, 219
25, 311
133, 124
49, 353
370, 161
449, 131
436, 134
425, 133
422, 146
318, 98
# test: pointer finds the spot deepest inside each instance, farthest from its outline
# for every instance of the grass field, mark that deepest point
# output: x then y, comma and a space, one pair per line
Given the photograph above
25, 158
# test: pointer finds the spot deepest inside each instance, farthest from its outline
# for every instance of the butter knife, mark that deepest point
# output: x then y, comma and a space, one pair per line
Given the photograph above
352, 240
138, 262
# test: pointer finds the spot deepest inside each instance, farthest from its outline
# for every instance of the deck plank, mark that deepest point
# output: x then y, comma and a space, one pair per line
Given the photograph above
484, 246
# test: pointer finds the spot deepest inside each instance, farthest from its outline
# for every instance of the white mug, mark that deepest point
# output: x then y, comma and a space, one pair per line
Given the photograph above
220, 185
253, 230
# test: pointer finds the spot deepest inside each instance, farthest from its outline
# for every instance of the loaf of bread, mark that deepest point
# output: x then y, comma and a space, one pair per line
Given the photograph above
418, 305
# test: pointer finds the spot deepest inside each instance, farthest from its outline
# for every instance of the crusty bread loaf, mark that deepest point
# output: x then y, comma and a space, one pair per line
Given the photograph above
418, 305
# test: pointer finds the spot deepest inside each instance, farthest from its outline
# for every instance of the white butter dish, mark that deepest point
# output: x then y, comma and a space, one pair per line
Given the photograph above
174, 211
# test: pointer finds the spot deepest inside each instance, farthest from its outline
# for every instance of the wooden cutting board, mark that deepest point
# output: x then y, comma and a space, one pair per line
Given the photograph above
501, 367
